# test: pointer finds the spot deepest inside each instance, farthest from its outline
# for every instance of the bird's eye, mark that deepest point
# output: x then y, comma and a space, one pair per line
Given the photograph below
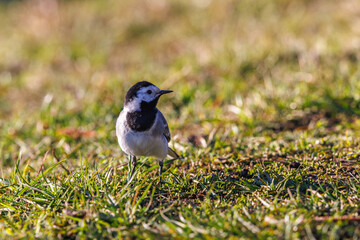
149, 91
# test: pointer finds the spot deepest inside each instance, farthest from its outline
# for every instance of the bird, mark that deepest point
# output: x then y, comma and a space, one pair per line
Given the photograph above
141, 129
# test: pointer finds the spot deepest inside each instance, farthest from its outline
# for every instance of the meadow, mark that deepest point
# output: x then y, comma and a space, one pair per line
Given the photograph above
265, 115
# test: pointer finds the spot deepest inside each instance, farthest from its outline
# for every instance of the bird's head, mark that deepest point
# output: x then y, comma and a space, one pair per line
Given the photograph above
143, 96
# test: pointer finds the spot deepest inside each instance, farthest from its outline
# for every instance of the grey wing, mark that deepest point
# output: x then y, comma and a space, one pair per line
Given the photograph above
166, 127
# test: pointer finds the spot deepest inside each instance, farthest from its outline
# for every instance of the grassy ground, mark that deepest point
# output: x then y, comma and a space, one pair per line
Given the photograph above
264, 114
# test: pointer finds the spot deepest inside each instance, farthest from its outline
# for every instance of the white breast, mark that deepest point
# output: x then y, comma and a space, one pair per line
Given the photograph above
147, 143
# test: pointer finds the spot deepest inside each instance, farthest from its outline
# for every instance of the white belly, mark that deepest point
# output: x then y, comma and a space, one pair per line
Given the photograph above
140, 143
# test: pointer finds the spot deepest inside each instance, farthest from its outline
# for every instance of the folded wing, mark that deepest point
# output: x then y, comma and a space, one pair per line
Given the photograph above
166, 127
167, 135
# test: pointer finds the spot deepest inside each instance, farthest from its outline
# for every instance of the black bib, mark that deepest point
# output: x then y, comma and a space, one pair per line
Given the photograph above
144, 119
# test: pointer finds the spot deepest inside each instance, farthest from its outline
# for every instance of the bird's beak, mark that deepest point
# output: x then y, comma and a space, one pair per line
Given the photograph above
164, 92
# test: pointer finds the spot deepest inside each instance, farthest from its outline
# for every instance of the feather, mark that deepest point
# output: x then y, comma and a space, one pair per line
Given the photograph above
166, 127
172, 153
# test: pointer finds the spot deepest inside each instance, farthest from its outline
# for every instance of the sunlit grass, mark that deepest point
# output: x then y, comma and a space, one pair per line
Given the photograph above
264, 114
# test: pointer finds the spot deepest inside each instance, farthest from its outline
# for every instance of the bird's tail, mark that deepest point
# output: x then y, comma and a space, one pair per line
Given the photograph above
172, 153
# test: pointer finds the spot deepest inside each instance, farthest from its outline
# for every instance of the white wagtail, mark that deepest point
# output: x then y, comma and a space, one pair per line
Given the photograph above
141, 128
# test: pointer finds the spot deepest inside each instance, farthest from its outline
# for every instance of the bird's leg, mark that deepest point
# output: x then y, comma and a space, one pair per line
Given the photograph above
132, 165
161, 163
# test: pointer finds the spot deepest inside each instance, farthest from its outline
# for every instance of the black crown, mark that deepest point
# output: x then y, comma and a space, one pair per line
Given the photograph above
132, 93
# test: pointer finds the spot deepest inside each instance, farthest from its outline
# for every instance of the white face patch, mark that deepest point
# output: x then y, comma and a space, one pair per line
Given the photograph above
148, 93
132, 106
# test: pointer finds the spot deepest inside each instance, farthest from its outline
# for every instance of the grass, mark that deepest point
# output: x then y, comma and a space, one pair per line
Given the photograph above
265, 115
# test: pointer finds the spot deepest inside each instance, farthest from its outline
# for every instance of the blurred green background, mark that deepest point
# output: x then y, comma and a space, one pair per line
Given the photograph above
257, 86
244, 66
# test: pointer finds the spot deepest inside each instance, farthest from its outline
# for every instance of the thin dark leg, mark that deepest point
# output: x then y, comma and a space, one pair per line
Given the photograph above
132, 165
129, 167
161, 163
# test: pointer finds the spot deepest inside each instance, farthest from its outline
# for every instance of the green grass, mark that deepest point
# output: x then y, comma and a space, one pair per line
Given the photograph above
265, 115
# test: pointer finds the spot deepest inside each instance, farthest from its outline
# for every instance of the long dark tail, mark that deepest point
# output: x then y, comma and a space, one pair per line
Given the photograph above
172, 153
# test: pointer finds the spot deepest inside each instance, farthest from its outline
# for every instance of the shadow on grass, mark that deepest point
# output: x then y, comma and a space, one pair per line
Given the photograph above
332, 105
330, 110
